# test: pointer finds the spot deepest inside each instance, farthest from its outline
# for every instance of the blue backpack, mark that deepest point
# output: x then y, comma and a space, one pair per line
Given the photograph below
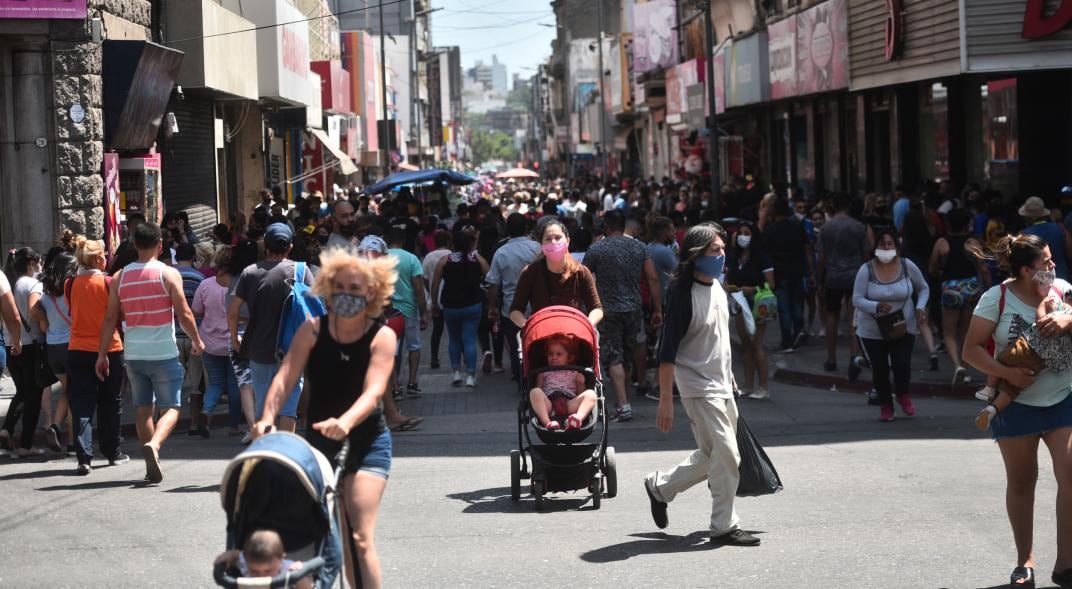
300, 305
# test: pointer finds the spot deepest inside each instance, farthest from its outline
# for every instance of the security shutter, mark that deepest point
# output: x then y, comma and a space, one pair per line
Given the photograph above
189, 166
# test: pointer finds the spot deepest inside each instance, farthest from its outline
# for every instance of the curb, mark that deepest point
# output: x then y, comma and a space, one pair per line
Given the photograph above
842, 383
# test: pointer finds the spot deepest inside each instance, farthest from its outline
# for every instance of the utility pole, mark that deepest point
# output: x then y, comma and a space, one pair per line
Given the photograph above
602, 97
384, 146
713, 131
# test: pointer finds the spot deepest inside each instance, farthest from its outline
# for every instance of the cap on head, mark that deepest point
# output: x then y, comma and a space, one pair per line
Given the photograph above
278, 237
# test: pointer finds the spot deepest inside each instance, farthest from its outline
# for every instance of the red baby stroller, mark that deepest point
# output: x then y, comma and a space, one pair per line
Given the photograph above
563, 461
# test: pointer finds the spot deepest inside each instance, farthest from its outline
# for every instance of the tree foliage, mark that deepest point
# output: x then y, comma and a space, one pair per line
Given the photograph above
492, 145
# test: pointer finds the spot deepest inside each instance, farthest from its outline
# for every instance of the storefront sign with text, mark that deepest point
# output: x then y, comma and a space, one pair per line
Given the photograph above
1038, 25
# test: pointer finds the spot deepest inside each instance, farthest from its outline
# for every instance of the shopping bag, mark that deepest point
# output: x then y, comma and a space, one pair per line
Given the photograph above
758, 476
765, 305
742, 307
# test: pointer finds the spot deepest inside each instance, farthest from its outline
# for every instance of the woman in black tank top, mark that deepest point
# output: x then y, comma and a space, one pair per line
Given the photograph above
348, 356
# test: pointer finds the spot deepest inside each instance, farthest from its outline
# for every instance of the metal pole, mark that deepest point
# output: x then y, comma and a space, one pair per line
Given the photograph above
602, 95
713, 130
385, 148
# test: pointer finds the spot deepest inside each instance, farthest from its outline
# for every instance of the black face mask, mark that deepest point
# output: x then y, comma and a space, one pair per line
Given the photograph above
347, 230
323, 239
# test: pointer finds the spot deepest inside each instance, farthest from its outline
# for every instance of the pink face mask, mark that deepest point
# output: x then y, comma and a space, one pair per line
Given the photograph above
555, 251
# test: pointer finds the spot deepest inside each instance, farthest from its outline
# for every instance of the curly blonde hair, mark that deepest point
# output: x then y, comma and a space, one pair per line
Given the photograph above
379, 275
86, 251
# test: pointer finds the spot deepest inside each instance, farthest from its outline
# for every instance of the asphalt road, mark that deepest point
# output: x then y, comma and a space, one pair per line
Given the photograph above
914, 503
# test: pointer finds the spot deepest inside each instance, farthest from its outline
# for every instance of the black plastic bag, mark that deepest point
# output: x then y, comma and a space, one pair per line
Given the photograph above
758, 476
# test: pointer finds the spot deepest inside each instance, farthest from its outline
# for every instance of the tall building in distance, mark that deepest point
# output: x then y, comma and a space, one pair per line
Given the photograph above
493, 76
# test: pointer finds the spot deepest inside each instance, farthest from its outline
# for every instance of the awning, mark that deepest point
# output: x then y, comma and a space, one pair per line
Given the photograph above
346, 165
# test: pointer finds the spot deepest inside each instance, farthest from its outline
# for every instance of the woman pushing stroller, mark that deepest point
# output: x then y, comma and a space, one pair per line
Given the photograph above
347, 357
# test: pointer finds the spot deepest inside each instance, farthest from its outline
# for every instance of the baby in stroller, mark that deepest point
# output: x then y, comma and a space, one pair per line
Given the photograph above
263, 556
555, 395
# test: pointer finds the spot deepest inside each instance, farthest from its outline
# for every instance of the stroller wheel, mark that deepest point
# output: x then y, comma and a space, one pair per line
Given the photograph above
597, 492
515, 475
610, 472
537, 494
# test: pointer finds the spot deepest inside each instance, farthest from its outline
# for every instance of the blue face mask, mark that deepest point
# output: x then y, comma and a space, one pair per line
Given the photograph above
711, 265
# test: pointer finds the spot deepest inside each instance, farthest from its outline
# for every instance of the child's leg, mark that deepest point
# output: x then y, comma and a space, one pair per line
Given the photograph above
581, 405
541, 405
1005, 397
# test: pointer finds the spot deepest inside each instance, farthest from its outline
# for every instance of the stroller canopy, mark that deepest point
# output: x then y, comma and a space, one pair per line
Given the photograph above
279, 482
558, 320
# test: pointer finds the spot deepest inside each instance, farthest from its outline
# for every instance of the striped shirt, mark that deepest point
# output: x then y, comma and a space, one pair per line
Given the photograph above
191, 279
148, 313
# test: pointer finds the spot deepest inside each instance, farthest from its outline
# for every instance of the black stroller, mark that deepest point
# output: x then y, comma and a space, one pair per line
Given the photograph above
563, 461
280, 483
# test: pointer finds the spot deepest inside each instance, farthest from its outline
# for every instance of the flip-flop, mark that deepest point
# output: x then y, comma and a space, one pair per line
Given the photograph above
408, 425
152, 464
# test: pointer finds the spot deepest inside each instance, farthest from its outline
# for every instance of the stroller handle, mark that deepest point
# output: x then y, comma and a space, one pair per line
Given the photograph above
309, 567
344, 452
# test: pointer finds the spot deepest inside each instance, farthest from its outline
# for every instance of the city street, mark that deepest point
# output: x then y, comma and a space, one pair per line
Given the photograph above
914, 503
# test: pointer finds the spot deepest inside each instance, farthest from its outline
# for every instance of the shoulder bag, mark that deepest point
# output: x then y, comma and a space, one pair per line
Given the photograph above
894, 326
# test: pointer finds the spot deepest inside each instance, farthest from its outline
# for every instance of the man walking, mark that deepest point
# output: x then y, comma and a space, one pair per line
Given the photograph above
150, 295
193, 369
342, 226
263, 287
506, 266
786, 239
844, 247
619, 263
694, 354
409, 299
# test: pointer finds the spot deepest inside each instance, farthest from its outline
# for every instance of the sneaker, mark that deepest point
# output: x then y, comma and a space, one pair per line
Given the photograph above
118, 459
982, 421
939, 348
486, 362
737, 537
397, 394
760, 394
434, 363
801, 339
987, 394
907, 406
932, 365
52, 438
622, 414
498, 368
854, 369
959, 376
872, 398
470, 381
658, 508
784, 350
652, 394
830, 366
456, 379
204, 432
886, 414
413, 391
84, 469
71, 450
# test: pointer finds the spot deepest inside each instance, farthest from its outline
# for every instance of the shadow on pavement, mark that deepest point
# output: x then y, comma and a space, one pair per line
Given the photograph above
39, 474
650, 543
195, 489
96, 485
497, 500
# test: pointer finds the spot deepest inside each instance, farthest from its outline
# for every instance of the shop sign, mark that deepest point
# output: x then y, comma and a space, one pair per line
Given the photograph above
696, 97
748, 71
112, 212
282, 50
45, 9
1037, 24
312, 159
334, 85
819, 58
894, 24
678, 80
654, 35
720, 81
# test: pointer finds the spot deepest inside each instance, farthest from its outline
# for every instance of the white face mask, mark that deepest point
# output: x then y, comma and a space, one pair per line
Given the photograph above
744, 240
885, 256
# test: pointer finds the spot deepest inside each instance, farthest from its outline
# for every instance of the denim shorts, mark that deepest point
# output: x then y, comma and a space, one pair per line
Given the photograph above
374, 459
412, 336
156, 382
1027, 420
262, 379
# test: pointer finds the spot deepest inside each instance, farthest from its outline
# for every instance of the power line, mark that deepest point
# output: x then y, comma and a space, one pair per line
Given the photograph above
381, 4
513, 23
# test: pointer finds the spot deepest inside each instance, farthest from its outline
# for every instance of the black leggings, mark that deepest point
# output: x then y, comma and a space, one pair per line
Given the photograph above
27, 400
437, 334
886, 356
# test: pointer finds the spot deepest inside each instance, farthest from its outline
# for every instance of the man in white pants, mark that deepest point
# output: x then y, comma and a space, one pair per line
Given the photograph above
694, 353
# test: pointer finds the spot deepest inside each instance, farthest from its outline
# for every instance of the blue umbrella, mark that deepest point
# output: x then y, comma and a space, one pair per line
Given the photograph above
419, 177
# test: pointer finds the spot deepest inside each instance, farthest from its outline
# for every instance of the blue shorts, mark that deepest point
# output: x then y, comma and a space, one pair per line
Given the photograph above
262, 379
374, 460
1027, 420
412, 337
156, 382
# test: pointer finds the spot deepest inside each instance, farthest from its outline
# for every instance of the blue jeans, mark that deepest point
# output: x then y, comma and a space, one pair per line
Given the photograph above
221, 379
461, 327
790, 295
262, 379
156, 381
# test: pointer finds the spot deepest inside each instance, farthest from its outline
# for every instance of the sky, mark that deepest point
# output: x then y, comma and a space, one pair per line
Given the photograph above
506, 28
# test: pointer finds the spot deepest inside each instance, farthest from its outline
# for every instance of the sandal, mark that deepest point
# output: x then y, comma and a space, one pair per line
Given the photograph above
1022, 577
409, 424
573, 422
1063, 579
552, 426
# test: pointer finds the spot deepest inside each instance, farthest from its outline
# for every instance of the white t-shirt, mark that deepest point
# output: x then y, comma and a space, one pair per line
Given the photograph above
1050, 387
24, 287
428, 266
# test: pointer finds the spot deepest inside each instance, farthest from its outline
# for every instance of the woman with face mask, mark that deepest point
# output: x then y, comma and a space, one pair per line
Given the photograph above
1043, 410
347, 357
456, 296
23, 266
555, 278
890, 296
747, 270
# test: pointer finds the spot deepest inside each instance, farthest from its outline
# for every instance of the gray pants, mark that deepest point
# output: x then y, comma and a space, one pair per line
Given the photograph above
714, 426
192, 366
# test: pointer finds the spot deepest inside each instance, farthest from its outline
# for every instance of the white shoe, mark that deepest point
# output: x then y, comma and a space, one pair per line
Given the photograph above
456, 379
986, 394
470, 381
760, 394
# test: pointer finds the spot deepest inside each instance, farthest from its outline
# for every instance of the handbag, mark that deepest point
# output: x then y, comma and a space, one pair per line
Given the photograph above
765, 304
43, 375
741, 306
894, 326
757, 474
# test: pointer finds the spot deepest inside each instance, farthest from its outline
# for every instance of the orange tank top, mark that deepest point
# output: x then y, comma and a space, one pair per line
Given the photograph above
88, 302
